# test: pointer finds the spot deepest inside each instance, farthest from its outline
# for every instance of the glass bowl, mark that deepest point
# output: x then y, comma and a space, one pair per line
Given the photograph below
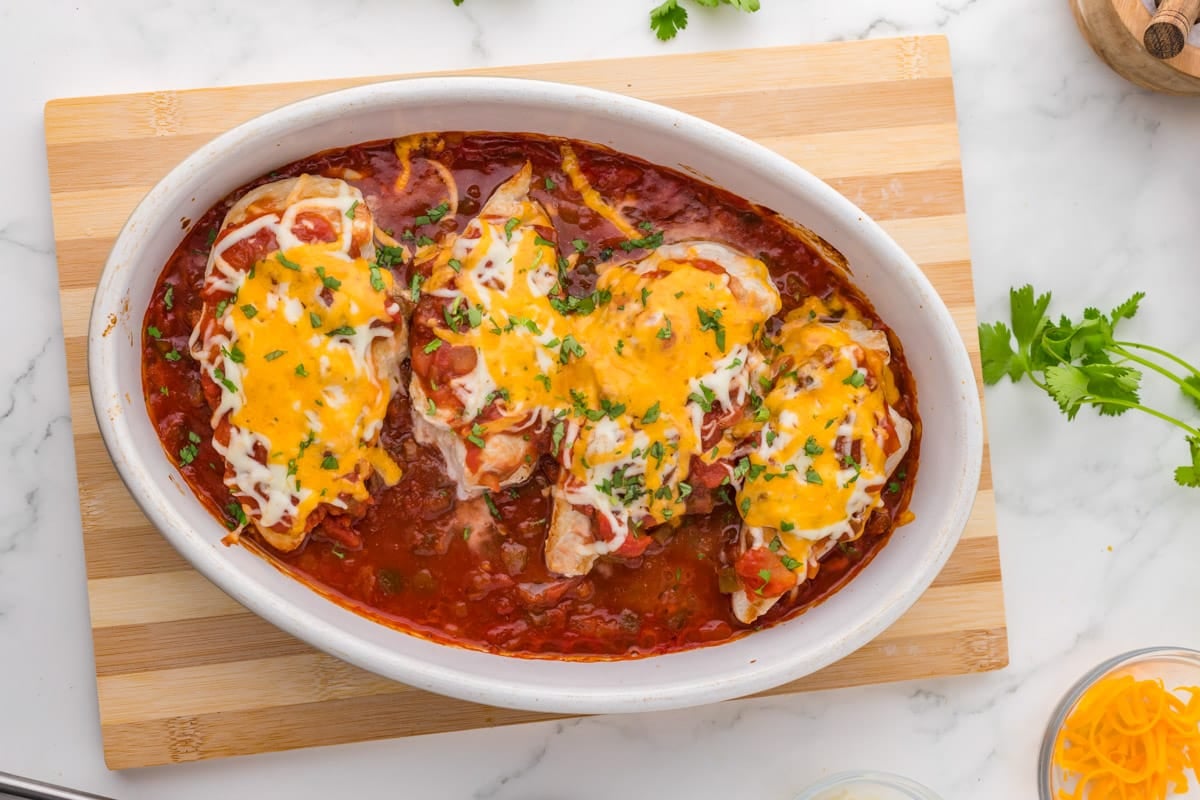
1177, 666
867, 786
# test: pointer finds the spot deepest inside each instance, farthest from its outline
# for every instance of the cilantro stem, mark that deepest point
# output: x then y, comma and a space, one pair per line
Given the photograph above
1187, 388
1160, 352
1100, 400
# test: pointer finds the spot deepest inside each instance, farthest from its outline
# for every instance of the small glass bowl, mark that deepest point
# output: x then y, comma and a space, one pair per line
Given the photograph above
868, 786
1177, 666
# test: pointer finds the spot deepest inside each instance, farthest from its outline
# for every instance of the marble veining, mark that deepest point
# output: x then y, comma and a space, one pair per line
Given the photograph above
1075, 180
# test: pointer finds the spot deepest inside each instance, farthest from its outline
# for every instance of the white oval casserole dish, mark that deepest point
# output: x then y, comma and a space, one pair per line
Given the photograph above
951, 447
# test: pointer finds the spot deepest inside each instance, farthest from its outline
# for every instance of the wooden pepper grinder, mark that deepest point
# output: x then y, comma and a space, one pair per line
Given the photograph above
1151, 50
1168, 30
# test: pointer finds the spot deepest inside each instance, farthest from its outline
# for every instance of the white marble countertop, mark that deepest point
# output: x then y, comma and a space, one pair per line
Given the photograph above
1075, 180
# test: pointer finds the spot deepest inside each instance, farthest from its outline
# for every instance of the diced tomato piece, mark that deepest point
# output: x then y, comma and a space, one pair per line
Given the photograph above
249, 251
763, 574
313, 227
707, 476
633, 546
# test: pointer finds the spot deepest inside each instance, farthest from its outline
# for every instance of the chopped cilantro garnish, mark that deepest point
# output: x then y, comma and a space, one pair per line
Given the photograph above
286, 262
313, 319
570, 347
235, 511
491, 504
433, 345
219, 377
855, 379
580, 245
329, 462
188, 453
550, 184
350, 211
811, 447
172, 355
665, 331
648, 242
704, 399
613, 410
274, 354
301, 371
557, 436
476, 437
812, 476
455, 264
434, 214
415, 287
250, 311
388, 256
153, 332
651, 414
169, 297
543, 379
345, 330
234, 354
377, 279
711, 321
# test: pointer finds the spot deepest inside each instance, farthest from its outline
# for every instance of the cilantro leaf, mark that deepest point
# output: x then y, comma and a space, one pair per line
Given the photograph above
1128, 309
1194, 382
668, 19
1074, 386
996, 352
1028, 314
1190, 474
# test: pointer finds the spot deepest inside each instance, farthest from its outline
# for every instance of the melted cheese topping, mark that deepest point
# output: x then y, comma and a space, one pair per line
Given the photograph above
626, 380
591, 198
831, 438
292, 354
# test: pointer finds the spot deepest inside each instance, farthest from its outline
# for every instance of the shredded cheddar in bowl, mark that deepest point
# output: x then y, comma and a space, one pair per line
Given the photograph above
1129, 739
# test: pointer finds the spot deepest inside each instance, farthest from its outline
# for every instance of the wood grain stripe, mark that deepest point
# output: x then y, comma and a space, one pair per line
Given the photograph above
156, 597
353, 719
211, 111
135, 696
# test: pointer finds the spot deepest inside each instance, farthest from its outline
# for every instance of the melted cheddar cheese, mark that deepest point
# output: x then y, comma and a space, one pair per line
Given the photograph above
293, 355
624, 378
830, 440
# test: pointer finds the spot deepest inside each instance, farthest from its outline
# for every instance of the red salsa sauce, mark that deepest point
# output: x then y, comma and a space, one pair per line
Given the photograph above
472, 574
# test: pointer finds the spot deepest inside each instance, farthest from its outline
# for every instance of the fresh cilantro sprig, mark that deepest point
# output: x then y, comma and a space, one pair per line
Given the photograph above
1082, 363
669, 18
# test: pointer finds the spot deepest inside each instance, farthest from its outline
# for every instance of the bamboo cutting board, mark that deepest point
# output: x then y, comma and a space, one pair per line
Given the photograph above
185, 673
